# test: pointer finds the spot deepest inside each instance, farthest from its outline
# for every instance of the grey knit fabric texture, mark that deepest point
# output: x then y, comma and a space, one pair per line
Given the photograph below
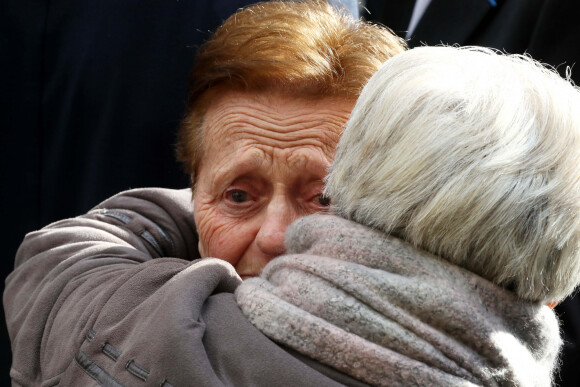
386, 313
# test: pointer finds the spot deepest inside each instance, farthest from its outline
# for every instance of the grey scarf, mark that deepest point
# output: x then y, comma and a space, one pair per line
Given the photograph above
378, 309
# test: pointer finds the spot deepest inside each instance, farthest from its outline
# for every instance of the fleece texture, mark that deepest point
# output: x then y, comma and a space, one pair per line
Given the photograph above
378, 309
118, 297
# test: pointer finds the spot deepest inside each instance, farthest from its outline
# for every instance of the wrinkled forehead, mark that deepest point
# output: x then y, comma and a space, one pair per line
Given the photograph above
273, 121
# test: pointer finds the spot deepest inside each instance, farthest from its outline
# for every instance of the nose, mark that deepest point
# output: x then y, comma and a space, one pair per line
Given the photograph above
270, 237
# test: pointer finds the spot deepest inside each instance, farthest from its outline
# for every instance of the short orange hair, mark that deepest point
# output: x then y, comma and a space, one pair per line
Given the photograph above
298, 48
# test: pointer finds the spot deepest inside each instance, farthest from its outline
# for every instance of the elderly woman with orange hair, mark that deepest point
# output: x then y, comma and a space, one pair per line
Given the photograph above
119, 297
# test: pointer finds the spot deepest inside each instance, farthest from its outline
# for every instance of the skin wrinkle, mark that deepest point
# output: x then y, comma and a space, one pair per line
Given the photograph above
254, 159
274, 150
286, 127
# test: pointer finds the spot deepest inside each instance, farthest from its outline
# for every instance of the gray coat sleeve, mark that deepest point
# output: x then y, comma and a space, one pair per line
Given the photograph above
109, 296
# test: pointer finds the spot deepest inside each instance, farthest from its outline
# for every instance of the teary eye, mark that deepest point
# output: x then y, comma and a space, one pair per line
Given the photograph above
323, 200
239, 196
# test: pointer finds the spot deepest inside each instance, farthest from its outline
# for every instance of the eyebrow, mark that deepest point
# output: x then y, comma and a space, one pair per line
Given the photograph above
253, 161
238, 168
302, 160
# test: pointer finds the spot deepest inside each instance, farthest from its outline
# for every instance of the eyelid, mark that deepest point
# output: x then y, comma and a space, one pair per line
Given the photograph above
246, 183
326, 199
314, 189
231, 190
314, 192
240, 187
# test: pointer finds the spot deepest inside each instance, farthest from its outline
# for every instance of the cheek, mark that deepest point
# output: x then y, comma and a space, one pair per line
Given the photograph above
220, 236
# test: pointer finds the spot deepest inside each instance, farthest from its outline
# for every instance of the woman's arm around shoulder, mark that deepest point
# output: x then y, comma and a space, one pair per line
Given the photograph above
112, 295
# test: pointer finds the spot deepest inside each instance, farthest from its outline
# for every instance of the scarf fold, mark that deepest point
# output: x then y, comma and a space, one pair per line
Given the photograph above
378, 309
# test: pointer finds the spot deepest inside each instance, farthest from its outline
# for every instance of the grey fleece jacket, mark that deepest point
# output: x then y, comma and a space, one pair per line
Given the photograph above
119, 297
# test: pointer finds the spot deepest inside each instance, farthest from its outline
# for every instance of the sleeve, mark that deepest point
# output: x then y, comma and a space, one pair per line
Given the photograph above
113, 296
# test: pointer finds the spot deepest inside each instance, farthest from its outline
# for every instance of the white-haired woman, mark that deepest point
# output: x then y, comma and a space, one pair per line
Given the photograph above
457, 185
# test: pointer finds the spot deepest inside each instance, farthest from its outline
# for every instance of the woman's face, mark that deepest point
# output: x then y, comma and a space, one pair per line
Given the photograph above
262, 167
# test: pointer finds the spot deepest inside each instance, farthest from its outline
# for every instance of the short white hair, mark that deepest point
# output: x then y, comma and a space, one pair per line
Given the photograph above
474, 156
